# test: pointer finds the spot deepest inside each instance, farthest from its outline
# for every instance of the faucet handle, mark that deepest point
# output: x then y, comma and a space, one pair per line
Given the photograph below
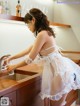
2, 64
5, 56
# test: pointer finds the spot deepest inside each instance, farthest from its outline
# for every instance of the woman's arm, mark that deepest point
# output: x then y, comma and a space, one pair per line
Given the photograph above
39, 42
26, 51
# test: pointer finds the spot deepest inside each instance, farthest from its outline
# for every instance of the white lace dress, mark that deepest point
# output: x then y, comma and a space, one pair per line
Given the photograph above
60, 75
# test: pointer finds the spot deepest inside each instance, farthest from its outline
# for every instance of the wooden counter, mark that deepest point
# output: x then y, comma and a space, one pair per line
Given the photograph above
21, 92
6, 83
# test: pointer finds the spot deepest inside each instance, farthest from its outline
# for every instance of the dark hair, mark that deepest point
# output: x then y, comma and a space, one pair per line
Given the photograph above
41, 22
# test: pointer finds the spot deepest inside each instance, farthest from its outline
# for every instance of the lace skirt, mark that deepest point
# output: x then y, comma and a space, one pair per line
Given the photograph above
60, 76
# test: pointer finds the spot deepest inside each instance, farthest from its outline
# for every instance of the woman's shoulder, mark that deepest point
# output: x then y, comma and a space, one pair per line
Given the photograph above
43, 34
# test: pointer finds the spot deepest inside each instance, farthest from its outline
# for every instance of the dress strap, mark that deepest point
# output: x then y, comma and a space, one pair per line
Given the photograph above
50, 47
59, 49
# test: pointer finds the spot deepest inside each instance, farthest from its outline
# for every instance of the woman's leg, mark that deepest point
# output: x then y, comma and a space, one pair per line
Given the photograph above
59, 102
46, 102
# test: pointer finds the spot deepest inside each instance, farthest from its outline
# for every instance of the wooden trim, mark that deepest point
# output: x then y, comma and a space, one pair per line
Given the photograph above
59, 24
76, 61
74, 52
25, 72
10, 17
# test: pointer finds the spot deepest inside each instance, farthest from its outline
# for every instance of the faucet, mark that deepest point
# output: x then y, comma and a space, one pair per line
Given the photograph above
2, 59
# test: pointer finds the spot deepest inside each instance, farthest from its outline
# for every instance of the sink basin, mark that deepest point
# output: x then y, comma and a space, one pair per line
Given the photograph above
19, 75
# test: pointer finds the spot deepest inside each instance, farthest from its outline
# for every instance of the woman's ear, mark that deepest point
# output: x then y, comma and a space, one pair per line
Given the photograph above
33, 20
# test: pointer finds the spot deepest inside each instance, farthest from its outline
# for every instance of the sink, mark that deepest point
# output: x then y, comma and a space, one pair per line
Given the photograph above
19, 75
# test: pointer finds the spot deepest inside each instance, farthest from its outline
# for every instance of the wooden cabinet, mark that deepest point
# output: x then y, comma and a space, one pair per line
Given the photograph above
12, 98
27, 93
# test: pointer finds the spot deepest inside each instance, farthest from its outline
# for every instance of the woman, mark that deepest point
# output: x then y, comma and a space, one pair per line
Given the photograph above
60, 74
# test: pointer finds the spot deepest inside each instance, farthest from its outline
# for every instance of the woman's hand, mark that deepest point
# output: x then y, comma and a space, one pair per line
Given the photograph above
6, 61
6, 71
11, 67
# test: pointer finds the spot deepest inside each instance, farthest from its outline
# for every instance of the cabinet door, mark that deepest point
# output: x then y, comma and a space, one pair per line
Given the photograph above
26, 94
12, 98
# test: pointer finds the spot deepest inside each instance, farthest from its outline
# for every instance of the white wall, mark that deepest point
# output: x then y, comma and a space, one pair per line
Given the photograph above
14, 36
66, 39
46, 6
69, 14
